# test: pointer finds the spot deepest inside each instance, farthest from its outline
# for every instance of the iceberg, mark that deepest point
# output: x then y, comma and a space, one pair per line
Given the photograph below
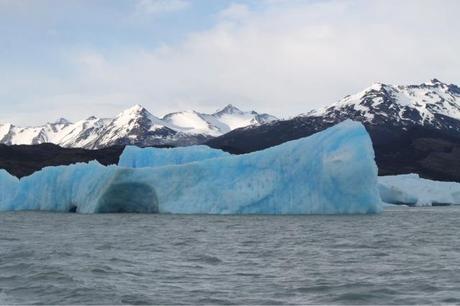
84, 188
331, 172
8, 185
135, 157
412, 190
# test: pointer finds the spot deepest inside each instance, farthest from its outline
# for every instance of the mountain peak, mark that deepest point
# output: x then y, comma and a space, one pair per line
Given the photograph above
434, 82
229, 109
377, 86
136, 108
398, 104
135, 111
62, 121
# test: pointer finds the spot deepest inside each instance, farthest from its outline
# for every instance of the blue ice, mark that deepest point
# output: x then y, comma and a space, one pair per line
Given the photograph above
135, 157
8, 186
331, 172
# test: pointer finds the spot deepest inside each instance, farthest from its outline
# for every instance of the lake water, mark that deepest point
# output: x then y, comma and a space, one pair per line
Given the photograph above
402, 256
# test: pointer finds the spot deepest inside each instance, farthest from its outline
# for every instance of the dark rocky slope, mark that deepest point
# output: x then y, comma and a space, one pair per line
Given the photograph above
22, 160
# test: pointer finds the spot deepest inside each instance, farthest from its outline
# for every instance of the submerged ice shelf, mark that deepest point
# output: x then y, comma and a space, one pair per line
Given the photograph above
331, 172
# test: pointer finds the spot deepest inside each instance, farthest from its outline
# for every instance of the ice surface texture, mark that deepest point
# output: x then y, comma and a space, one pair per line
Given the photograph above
8, 186
412, 190
135, 157
331, 172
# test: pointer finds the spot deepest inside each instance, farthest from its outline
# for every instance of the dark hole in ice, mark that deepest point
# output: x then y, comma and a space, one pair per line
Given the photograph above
73, 209
128, 198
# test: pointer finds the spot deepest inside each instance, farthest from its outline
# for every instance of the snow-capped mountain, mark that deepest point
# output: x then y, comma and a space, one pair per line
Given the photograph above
433, 103
135, 125
216, 124
414, 128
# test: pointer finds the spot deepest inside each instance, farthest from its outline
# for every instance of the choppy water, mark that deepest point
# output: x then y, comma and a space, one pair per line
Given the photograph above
403, 256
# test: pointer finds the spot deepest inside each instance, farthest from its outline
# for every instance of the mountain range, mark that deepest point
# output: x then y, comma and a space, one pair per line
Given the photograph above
414, 128
135, 125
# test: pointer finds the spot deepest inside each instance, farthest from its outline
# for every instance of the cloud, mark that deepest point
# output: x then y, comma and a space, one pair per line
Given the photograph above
286, 58
235, 11
160, 6
298, 56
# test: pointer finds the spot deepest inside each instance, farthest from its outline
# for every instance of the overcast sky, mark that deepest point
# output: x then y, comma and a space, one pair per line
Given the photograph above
97, 57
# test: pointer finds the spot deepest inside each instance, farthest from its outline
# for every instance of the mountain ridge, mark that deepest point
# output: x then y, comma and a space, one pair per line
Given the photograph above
414, 128
421, 104
135, 125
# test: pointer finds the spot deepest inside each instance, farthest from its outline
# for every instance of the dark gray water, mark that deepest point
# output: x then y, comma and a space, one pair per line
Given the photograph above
403, 256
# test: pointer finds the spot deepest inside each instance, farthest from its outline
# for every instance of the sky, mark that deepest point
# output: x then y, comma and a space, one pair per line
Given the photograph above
78, 58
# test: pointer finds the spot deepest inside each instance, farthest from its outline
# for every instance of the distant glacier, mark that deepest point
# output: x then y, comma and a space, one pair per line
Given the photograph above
331, 172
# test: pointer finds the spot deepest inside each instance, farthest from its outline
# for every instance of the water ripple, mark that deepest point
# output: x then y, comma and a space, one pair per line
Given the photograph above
403, 256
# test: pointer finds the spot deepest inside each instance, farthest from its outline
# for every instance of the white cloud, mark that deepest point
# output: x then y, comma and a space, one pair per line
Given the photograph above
291, 59
235, 11
160, 6
287, 59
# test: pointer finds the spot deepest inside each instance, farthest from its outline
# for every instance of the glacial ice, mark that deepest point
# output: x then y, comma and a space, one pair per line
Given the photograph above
8, 186
135, 157
412, 190
331, 172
